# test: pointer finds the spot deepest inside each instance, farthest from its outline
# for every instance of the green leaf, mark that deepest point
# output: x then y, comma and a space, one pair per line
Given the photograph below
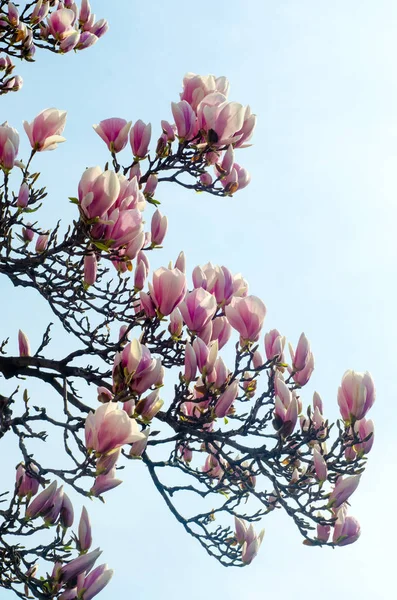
32, 210
153, 201
103, 245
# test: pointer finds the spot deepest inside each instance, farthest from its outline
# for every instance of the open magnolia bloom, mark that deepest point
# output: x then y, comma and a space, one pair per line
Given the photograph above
153, 348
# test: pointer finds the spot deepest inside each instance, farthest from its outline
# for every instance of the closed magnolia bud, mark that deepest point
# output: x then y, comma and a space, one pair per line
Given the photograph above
149, 407
140, 135
104, 395
23, 196
90, 269
107, 462
158, 228
205, 179
13, 14
114, 133
41, 243
23, 342
123, 333
356, 395
180, 262
66, 516
84, 537
26, 484
27, 234
140, 276
150, 186
320, 466
176, 323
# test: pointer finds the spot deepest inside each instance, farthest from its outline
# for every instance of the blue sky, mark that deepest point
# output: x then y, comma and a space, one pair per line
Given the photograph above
314, 234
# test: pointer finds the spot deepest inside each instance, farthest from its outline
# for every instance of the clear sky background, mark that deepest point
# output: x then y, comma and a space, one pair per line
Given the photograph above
314, 234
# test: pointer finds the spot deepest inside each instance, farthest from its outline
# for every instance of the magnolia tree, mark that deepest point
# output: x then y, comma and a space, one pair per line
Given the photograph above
225, 444
49, 24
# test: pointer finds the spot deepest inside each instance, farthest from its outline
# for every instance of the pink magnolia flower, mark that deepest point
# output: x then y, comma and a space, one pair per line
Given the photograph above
301, 355
85, 11
140, 370
221, 331
185, 120
41, 243
110, 428
225, 400
42, 502
140, 276
168, 289
123, 226
97, 192
347, 530
70, 42
356, 395
60, 23
150, 186
285, 408
9, 146
206, 179
44, 132
104, 483
135, 245
146, 304
86, 40
26, 484
148, 407
114, 133
220, 119
96, 581
237, 179
196, 87
364, 429
23, 195
317, 402
107, 462
100, 28
247, 129
83, 563
140, 135
66, 515
302, 377
206, 355
274, 345
246, 315
343, 489
240, 530
198, 309
251, 544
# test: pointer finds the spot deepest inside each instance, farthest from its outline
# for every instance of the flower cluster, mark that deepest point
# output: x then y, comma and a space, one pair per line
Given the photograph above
60, 25
71, 579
